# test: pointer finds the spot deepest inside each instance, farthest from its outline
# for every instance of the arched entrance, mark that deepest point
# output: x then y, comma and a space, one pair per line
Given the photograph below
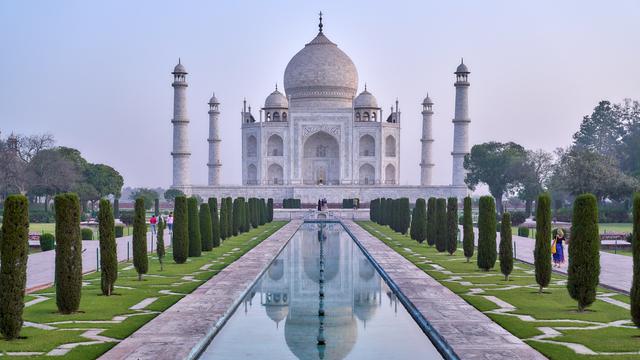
321, 160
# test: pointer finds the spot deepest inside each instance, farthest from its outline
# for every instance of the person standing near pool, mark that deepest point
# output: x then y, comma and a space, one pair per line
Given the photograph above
557, 248
170, 223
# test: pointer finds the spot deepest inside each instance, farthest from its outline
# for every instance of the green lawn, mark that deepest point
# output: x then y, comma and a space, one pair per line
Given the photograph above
604, 227
604, 328
51, 228
112, 316
620, 252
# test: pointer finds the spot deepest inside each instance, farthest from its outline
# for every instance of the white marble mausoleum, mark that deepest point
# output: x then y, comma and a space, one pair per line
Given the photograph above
320, 138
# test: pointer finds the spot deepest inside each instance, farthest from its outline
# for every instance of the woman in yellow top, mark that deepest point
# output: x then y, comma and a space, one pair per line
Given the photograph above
558, 254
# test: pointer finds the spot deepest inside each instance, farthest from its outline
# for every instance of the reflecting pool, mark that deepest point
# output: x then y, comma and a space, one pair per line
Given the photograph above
279, 317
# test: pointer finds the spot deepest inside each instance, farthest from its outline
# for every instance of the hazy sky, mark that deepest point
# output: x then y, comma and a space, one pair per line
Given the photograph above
97, 74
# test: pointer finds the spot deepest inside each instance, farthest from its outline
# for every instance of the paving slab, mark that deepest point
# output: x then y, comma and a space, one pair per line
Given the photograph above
183, 329
471, 334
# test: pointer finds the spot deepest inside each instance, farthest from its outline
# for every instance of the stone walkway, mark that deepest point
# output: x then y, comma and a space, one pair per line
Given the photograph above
41, 266
184, 329
616, 271
470, 333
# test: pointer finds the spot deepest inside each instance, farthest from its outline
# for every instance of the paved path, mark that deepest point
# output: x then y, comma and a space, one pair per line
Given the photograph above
183, 330
616, 271
471, 334
41, 266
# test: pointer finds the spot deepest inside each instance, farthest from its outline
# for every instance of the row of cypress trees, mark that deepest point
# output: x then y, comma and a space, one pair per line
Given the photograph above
393, 212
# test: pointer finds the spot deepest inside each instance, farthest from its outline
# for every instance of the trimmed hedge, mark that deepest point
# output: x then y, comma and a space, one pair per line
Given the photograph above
47, 242
215, 222
269, 210
403, 215
86, 233
635, 245
205, 227
14, 254
452, 225
119, 231
140, 259
160, 247
223, 219
237, 222
542, 251
419, 221
468, 237
523, 231
68, 253
506, 247
195, 241
431, 221
441, 224
291, 204
108, 251
180, 237
584, 252
487, 233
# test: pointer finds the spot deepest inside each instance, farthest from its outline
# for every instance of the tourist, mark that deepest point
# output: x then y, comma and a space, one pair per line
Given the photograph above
557, 249
170, 223
153, 221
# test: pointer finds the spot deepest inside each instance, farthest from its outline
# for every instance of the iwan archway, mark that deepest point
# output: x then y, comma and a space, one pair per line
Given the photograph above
321, 160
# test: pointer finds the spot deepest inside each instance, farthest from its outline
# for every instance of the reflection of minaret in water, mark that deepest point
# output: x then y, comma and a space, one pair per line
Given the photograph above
321, 339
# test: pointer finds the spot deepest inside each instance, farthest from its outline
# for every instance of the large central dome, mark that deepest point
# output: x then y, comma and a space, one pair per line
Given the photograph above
321, 71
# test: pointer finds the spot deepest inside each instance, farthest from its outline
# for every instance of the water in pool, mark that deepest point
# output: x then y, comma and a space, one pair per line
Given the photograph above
279, 317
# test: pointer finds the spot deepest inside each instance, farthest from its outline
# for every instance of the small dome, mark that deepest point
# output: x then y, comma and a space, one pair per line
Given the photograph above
179, 69
365, 100
214, 99
427, 101
462, 68
276, 100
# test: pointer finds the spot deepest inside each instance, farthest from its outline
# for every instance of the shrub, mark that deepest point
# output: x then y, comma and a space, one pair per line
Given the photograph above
195, 241
468, 237
254, 212
47, 242
542, 251
487, 233
215, 222
373, 210
269, 210
160, 247
205, 227
403, 215
126, 217
140, 259
86, 233
419, 221
119, 231
613, 213
431, 221
263, 211
40, 216
108, 251
382, 212
635, 245
523, 231
518, 217
441, 224
291, 204
506, 247
584, 252
452, 225
13, 264
68, 253
180, 237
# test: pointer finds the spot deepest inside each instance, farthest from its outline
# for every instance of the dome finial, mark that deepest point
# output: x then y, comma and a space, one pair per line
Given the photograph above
320, 25
276, 86
179, 60
365, 86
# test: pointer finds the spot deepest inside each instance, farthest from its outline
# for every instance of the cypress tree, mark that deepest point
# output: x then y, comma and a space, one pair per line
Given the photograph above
236, 221
467, 229
245, 219
160, 250
229, 217
584, 252
140, 259
215, 222
116, 208
270, 210
542, 251
14, 254
180, 238
431, 221
195, 241
487, 233
253, 212
441, 224
419, 221
506, 247
68, 253
393, 215
372, 210
635, 244
263, 212
452, 225
404, 215
381, 211
205, 227
156, 207
223, 219
108, 251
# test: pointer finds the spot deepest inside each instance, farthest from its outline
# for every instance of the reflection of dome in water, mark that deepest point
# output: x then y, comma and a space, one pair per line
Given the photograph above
301, 334
366, 270
365, 305
276, 270
311, 257
277, 313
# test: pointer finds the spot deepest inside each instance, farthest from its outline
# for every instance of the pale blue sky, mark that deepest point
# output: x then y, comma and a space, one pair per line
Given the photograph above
97, 74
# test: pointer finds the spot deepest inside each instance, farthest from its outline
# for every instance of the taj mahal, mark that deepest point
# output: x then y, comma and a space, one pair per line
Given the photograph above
320, 138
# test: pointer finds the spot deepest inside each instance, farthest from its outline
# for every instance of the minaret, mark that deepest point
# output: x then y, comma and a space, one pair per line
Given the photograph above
426, 165
214, 163
180, 123
461, 122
